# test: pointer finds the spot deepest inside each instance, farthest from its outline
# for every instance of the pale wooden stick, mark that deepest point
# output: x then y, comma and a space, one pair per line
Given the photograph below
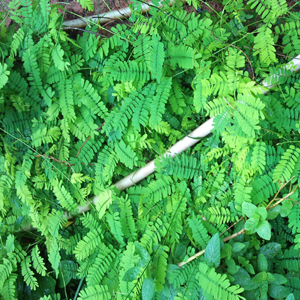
105, 17
187, 142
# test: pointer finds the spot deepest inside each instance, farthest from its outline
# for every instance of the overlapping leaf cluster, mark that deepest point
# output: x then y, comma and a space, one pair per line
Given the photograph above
78, 114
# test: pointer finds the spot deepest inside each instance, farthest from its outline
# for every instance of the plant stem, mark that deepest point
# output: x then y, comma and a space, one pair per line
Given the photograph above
285, 197
181, 264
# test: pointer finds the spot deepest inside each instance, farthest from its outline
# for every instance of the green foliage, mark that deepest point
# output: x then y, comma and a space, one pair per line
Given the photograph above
79, 113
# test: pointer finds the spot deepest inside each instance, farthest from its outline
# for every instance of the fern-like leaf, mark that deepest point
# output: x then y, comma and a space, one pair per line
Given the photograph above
3, 75
28, 273
97, 292
290, 260
88, 244
286, 165
217, 285
258, 158
38, 262
8, 292
264, 45
63, 196
160, 262
157, 56
294, 219
159, 101
199, 232
126, 154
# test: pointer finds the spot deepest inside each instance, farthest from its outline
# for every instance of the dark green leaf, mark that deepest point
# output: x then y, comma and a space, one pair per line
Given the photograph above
270, 250
237, 247
244, 280
262, 263
274, 212
148, 289
65, 272
278, 291
279, 279
213, 250
132, 274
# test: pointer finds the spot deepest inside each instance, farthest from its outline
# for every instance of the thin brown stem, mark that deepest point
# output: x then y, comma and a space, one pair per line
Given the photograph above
285, 197
88, 139
85, 143
232, 225
64, 163
278, 192
181, 264
252, 72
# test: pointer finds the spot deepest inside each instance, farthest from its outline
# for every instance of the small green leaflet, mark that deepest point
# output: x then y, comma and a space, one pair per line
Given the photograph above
3, 75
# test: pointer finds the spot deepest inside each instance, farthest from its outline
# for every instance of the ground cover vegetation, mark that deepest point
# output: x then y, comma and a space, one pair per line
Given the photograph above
77, 114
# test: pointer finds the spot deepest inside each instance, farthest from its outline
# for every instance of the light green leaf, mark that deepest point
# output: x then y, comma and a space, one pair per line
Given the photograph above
87, 4
251, 223
286, 208
3, 75
262, 212
104, 201
249, 209
10, 246
264, 230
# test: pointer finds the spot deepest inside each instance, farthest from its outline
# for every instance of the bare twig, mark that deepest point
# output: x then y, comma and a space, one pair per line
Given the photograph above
88, 139
231, 45
64, 163
284, 198
181, 264
274, 198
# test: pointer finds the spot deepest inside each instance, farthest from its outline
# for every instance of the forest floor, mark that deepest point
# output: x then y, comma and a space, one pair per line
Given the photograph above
72, 9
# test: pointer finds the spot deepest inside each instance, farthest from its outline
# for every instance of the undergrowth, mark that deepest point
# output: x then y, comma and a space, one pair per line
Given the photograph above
77, 115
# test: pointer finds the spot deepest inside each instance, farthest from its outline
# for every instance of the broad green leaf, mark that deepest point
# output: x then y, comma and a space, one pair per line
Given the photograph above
270, 250
148, 289
142, 252
132, 274
279, 292
290, 297
249, 209
262, 212
251, 224
279, 279
274, 212
213, 250
264, 230
244, 280
262, 263
237, 247
260, 277
286, 208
